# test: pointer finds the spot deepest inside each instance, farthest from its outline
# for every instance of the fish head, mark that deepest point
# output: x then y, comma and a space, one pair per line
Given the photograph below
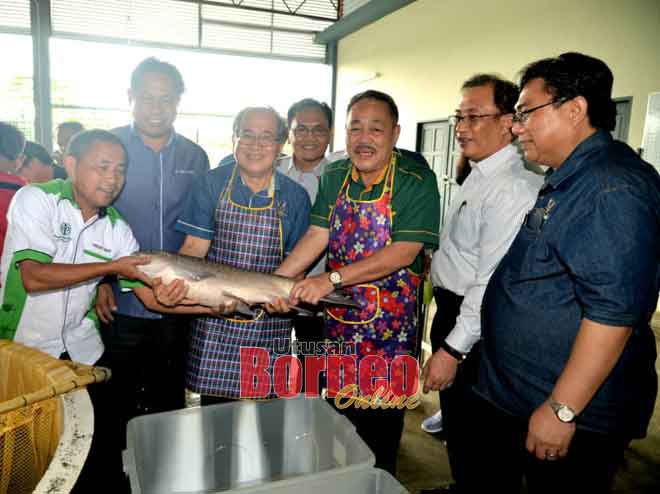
168, 267
159, 263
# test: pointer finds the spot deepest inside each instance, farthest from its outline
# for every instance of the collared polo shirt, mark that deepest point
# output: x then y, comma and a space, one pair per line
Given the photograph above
310, 181
590, 249
415, 200
291, 201
46, 225
157, 187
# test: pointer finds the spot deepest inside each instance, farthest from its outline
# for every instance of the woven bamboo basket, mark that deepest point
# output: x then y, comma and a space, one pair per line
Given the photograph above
46, 420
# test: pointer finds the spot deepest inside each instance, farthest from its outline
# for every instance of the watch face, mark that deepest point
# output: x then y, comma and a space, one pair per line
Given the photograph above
335, 277
565, 414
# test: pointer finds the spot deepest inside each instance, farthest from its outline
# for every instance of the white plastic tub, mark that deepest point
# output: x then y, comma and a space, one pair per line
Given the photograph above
240, 444
370, 481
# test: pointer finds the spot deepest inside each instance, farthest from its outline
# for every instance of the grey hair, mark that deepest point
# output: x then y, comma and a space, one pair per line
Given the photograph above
282, 127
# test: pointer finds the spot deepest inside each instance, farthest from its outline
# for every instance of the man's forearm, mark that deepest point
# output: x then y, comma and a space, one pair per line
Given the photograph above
384, 262
39, 277
467, 330
308, 249
595, 352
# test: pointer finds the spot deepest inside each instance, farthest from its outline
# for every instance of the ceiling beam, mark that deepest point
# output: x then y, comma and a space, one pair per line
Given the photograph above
368, 13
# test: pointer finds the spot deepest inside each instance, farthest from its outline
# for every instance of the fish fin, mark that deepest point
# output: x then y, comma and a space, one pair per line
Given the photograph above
245, 309
241, 305
338, 297
303, 312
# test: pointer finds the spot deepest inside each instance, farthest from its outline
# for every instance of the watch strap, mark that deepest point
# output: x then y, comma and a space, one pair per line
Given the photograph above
453, 352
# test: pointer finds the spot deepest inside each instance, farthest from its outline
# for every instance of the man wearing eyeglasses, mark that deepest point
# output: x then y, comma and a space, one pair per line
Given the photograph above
310, 132
247, 216
567, 373
482, 222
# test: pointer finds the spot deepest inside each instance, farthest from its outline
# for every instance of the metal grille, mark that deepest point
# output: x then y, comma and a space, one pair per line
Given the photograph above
277, 28
15, 16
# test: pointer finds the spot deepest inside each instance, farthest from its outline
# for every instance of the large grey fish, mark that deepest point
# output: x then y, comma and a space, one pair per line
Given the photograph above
213, 285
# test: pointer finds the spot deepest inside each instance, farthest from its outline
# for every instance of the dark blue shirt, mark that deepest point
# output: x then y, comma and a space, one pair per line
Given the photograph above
157, 185
589, 249
291, 200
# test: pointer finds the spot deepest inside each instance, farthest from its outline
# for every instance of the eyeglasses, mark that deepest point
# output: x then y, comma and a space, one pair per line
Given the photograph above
470, 119
318, 132
263, 140
521, 117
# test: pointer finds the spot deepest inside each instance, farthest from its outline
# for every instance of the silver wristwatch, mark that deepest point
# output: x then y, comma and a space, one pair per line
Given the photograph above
563, 412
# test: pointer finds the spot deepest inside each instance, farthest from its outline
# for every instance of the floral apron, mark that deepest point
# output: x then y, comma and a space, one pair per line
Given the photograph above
386, 322
245, 238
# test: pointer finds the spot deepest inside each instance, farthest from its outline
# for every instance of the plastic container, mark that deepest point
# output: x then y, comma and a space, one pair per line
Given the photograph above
240, 444
370, 481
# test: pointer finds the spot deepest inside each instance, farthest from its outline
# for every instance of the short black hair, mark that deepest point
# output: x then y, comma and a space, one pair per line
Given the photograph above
378, 96
282, 128
303, 104
71, 125
82, 141
151, 65
505, 93
574, 74
12, 142
34, 150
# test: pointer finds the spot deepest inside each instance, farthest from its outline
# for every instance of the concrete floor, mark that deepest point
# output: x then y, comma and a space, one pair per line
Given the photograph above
423, 459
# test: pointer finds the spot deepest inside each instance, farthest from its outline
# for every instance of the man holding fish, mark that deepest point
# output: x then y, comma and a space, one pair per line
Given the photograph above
374, 214
246, 216
62, 238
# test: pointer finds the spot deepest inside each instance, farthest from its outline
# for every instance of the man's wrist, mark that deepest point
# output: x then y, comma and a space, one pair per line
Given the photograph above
562, 411
336, 279
459, 356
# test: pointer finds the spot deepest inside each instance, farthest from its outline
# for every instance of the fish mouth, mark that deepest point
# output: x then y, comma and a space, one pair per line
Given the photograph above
339, 297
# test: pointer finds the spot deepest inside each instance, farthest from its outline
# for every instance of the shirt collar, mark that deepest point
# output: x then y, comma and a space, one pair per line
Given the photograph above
136, 134
355, 175
316, 171
274, 186
496, 161
599, 139
67, 191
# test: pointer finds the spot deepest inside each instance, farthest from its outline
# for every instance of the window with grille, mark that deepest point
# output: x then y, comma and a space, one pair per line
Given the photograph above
275, 28
16, 96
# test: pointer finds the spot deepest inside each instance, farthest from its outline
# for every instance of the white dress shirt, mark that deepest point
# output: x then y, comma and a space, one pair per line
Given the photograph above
483, 220
310, 181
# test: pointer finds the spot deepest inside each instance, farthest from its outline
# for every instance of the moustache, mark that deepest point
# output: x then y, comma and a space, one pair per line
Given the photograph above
364, 147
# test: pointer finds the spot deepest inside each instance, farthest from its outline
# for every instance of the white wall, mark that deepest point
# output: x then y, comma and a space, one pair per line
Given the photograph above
422, 53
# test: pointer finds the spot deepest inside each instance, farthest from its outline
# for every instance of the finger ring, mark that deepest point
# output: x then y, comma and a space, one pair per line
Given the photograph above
550, 456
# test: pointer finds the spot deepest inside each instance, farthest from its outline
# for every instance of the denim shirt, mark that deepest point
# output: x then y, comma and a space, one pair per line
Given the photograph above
157, 186
589, 249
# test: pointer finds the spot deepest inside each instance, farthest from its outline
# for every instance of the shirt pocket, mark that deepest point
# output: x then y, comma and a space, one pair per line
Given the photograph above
464, 227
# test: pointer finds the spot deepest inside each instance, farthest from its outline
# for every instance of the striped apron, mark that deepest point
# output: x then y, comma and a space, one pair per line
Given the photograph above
245, 238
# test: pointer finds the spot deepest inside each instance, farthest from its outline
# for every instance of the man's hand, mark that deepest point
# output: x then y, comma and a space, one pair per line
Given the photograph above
439, 372
105, 303
127, 267
171, 294
311, 290
548, 437
278, 306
